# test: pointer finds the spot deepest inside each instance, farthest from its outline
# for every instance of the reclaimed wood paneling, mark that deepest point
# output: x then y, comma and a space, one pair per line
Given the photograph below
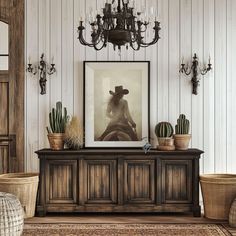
12, 92
4, 158
4, 107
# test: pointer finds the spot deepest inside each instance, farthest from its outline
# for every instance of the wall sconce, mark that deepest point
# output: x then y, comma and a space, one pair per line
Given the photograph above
195, 71
44, 69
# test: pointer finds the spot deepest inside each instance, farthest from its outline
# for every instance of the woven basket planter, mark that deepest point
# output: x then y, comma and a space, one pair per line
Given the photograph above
218, 191
24, 186
11, 215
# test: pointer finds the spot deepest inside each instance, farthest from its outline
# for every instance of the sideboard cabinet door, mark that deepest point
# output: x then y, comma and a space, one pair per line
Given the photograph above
100, 181
139, 181
176, 181
61, 181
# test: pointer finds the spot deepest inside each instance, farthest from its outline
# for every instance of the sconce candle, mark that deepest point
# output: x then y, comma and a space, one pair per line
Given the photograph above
195, 70
44, 69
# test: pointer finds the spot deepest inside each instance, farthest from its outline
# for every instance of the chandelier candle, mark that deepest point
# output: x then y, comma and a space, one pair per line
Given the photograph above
121, 25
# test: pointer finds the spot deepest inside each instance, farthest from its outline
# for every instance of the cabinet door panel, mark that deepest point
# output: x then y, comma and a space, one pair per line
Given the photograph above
139, 181
101, 181
61, 181
176, 181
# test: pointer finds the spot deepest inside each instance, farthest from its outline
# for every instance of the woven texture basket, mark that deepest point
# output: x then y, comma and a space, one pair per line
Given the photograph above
24, 186
218, 191
232, 214
11, 215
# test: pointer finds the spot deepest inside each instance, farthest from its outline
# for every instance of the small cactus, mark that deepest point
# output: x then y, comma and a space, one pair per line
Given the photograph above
182, 126
164, 130
57, 120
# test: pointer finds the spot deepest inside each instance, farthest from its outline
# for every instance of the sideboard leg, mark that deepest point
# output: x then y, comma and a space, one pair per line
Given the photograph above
40, 211
197, 211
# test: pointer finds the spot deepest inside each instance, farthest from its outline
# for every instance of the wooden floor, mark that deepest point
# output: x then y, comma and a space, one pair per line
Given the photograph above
121, 218
124, 218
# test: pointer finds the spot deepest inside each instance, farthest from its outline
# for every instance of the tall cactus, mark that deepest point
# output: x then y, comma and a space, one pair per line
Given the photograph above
182, 126
57, 120
164, 130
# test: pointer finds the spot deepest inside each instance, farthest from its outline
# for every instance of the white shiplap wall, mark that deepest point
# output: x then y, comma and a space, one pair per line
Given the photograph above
207, 27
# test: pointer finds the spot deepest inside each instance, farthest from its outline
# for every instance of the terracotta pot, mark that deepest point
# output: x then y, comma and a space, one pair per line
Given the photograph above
165, 141
165, 144
182, 141
56, 141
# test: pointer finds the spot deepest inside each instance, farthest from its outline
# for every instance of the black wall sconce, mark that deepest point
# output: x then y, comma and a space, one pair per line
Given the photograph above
44, 69
195, 70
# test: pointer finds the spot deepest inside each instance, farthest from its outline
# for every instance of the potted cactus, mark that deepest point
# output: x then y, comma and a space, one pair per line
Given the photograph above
182, 136
56, 131
164, 132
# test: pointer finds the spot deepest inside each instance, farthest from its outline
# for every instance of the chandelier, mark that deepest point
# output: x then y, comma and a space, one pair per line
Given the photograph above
121, 25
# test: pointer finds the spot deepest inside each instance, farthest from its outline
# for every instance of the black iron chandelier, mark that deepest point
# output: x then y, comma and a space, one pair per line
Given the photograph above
120, 25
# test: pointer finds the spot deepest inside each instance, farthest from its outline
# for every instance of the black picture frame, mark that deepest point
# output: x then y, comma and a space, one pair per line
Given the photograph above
94, 75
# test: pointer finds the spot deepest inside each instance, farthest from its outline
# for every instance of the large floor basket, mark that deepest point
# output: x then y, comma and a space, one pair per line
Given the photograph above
24, 186
218, 191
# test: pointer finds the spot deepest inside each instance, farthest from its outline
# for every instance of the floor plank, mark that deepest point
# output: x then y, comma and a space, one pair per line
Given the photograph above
121, 218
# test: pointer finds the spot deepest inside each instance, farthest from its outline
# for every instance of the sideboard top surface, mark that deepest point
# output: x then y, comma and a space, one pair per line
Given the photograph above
136, 151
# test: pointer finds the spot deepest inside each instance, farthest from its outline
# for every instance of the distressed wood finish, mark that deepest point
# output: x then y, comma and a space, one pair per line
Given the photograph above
101, 179
176, 181
117, 180
12, 89
139, 181
61, 184
4, 161
4, 105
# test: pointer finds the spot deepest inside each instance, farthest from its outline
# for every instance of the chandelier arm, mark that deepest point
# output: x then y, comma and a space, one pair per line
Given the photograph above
101, 47
143, 44
155, 40
81, 38
132, 46
83, 42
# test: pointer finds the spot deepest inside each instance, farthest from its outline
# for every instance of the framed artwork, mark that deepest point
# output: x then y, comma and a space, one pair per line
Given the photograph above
116, 104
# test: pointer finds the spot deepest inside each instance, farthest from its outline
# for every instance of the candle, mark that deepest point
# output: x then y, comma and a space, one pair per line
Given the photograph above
52, 59
182, 60
29, 60
209, 59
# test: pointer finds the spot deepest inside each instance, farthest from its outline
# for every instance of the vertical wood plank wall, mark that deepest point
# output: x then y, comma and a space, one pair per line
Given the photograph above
207, 27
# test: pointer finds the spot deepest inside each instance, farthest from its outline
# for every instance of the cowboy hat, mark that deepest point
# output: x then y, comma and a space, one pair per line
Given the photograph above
119, 90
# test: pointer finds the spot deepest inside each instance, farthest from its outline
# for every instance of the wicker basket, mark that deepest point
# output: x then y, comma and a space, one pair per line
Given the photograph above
11, 215
218, 191
24, 186
232, 214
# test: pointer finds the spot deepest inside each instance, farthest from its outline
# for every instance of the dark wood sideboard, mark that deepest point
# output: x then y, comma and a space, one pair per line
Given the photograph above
118, 180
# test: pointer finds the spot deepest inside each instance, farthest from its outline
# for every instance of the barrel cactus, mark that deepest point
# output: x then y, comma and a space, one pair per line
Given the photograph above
164, 130
182, 126
58, 119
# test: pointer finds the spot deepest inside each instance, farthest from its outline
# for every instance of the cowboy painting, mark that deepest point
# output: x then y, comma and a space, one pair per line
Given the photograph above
121, 127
